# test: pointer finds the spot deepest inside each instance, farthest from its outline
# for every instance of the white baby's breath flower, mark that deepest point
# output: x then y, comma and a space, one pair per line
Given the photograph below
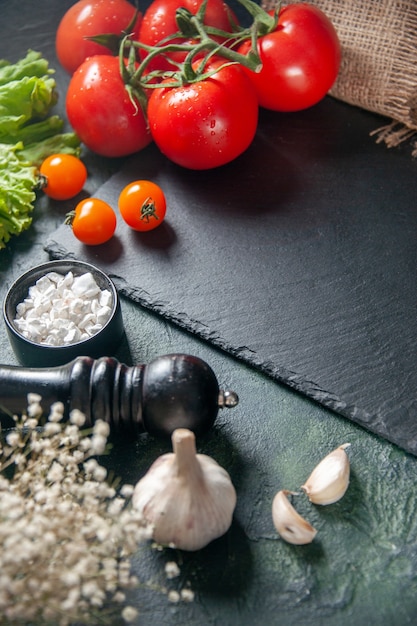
90, 589
19, 460
77, 417
73, 434
31, 423
119, 597
70, 579
52, 428
85, 444
109, 566
115, 506
174, 596
129, 614
89, 466
71, 600
49, 538
36, 446
4, 484
101, 428
33, 398
187, 595
13, 439
98, 444
78, 455
34, 410
100, 473
172, 570
95, 471
126, 491
56, 472
56, 412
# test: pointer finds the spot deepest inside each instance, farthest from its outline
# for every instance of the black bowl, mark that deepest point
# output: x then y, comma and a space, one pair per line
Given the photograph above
29, 353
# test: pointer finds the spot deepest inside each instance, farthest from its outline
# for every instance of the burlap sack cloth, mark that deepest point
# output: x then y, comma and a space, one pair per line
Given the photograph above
379, 60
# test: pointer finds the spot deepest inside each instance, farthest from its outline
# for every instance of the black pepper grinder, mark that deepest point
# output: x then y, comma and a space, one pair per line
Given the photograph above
172, 391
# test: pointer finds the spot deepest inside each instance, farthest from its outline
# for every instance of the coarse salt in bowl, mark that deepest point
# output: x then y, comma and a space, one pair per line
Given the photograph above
60, 310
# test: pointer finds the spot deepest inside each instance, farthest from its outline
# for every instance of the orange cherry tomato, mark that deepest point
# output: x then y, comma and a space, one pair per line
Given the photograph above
142, 205
65, 176
93, 221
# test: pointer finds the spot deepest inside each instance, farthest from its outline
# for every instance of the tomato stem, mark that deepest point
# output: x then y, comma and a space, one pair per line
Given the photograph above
69, 218
264, 22
192, 27
252, 61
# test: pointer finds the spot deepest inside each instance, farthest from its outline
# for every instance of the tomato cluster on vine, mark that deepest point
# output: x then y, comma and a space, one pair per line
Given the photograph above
187, 76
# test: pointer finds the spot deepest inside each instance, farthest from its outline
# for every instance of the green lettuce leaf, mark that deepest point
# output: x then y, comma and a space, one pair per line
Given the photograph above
63, 143
22, 100
18, 179
28, 134
33, 64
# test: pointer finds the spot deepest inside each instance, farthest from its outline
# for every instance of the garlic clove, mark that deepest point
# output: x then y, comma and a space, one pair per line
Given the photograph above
329, 480
188, 498
290, 525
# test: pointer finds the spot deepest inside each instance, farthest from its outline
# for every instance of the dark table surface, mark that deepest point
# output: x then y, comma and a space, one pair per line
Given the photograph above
362, 568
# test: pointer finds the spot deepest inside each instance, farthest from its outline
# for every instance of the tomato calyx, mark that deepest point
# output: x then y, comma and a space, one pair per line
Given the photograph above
113, 42
69, 218
148, 210
42, 182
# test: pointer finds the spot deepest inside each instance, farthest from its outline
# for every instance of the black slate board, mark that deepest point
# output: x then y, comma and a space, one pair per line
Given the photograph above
299, 258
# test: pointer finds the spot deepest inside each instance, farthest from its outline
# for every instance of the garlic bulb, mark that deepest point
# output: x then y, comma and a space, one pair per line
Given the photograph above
288, 523
329, 480
187, 497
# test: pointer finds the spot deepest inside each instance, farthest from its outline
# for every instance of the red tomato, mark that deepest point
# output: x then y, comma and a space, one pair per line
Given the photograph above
64, 175
208, 123
142, 205
93, 221
159, 21
100, 111
300, 59
88, 18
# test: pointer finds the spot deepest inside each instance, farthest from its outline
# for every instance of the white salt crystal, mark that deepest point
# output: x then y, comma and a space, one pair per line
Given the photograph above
73, 335
106, 299
103, 314
85, 321
57, 278
76, 306
85, 285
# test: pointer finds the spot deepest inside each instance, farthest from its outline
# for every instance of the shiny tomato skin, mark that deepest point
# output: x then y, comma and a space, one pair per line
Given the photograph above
87, 18
300, 59
159, 22
64, 174
94, 222
205, 124
142, 205
100, 111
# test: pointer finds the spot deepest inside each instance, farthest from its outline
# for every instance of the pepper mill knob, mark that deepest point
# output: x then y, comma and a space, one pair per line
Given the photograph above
172, 391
